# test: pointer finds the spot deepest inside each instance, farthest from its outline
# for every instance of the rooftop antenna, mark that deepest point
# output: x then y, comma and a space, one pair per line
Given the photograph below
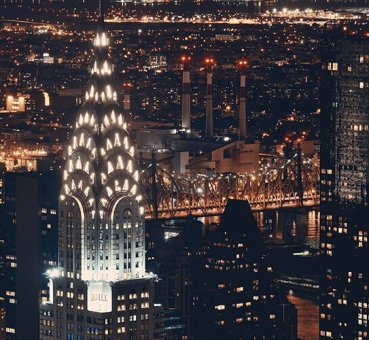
101, 12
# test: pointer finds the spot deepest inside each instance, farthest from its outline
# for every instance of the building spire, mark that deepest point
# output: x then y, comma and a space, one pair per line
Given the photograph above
102, 175
101, 12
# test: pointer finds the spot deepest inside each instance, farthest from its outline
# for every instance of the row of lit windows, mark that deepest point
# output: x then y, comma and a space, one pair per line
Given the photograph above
238, 266
363, 304
227, 245
237, 289
363, 58
120, 319
121, 330
49, 323
52, 211
326, 333
133, 296
360, 127
236, 305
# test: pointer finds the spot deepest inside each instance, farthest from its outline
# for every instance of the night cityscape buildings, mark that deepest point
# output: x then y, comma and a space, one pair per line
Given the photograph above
28, 236
176, 196
344, 186
234, 294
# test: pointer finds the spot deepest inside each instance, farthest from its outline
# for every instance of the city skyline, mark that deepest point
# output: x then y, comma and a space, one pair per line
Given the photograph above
192, 171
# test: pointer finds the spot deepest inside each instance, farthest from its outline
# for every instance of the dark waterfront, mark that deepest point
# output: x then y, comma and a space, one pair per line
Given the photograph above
300, 224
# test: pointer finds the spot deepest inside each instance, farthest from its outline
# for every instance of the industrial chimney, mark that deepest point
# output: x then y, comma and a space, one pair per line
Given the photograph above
242, 64
209, 62
186, 100
127, 99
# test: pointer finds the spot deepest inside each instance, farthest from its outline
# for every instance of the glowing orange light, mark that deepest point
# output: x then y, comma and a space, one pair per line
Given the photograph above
185, 58
242, 63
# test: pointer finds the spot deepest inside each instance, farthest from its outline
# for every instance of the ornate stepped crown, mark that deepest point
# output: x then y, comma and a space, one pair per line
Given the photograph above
101, 170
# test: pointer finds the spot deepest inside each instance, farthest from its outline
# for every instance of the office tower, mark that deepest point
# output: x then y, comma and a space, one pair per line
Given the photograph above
100, 289
171, 249
234, 293
344, 296
28, 247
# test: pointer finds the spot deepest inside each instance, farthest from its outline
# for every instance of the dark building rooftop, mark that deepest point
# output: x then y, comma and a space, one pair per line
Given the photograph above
238, 220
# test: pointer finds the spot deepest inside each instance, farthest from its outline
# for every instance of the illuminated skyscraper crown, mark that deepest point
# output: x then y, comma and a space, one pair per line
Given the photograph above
101, 204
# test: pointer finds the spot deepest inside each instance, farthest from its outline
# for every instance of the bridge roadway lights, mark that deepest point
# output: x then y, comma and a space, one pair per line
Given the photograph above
179, 194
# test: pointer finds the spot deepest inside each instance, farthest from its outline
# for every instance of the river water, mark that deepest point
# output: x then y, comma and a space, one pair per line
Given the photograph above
300, 225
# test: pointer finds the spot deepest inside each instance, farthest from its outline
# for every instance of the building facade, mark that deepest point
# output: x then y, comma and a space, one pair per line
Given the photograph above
344, 296
171, 254
236, 157
28, 247
100, 289
234, 292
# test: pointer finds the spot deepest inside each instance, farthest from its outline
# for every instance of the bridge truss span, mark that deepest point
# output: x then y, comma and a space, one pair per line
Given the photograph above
288, 183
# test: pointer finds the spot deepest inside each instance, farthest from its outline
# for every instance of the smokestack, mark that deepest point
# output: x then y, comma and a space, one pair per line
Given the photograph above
209, 96
242, 64
186, 100
127, 99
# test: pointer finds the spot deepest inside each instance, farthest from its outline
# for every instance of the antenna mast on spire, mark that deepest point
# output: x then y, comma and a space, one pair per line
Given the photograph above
101, 12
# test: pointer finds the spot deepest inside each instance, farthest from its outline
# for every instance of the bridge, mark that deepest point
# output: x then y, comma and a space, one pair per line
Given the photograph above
279, 184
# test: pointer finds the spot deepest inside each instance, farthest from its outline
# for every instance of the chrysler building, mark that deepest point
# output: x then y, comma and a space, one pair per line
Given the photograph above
100, 289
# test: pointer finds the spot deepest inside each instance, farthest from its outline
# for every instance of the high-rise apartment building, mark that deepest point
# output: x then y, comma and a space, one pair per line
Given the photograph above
171, 254
344, 301
234, 292
28, 247
100, 289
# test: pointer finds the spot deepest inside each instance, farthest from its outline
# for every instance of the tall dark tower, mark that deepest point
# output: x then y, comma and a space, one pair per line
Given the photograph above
28, 247
100, 289
344, 304
234, 292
